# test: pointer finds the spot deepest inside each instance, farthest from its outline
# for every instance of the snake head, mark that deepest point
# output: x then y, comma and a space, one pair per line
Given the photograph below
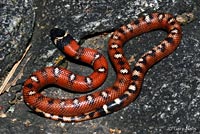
60, 38
56, 34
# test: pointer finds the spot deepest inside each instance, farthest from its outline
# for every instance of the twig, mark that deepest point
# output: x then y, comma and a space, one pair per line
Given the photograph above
6, 85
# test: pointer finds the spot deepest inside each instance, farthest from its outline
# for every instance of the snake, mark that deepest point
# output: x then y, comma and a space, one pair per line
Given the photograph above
128, 82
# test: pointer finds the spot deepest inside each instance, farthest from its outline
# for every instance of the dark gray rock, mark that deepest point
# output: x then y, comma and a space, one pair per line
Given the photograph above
16, 20
169, 100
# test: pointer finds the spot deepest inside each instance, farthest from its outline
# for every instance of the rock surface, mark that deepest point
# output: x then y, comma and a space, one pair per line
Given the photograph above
169, 100
17, 21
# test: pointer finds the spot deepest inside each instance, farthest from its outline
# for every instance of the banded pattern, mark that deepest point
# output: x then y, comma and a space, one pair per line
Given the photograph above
127, 85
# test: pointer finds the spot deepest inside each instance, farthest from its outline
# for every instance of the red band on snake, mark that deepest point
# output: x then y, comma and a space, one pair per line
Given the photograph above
127, 85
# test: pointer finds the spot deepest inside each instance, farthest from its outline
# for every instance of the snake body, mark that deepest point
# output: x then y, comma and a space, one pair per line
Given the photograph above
127, 85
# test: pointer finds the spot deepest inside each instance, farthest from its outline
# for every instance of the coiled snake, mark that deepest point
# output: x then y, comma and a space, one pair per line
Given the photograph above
127, 85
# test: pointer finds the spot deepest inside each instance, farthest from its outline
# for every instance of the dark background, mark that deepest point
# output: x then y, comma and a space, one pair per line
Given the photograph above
170, 96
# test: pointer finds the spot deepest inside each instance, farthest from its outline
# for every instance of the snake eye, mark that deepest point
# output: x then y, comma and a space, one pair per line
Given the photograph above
56, 33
